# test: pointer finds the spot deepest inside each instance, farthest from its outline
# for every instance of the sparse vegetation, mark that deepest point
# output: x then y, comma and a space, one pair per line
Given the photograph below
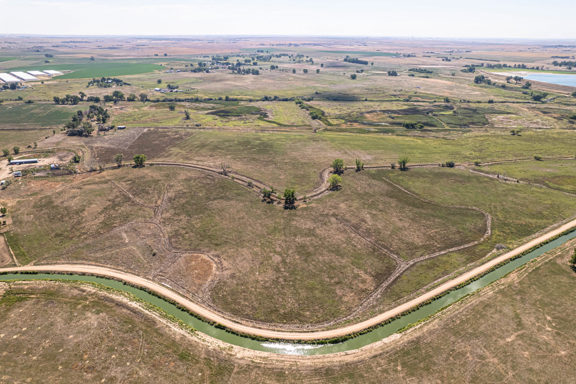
118, 159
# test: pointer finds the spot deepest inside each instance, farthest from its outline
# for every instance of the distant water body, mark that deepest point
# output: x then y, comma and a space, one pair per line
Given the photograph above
552, 78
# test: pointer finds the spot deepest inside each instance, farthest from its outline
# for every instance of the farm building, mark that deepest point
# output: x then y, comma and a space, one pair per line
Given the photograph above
24, 76
53, 73
8, 78
121, 127
38, 73
23, 161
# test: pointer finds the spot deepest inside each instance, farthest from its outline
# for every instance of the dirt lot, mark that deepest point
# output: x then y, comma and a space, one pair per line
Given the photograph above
44, 160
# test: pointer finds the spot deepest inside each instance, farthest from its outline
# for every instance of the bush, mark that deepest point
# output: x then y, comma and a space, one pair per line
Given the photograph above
538, 158
335, 182
139, 160
118, 159
359, 165
403, 163
289, 198
450, 164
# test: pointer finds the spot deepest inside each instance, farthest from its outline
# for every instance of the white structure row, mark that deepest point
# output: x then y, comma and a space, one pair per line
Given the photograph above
17, 77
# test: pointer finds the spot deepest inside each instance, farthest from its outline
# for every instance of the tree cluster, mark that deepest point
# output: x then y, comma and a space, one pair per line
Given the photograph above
106, 82
81, 122
355, 60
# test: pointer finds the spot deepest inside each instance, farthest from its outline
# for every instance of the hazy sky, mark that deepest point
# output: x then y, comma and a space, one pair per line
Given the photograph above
417, 18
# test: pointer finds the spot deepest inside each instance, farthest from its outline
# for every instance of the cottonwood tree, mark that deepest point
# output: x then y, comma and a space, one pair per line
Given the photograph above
338, 166
139, 160
403, 163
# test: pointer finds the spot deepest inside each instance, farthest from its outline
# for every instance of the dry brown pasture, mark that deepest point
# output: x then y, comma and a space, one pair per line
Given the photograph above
216, 241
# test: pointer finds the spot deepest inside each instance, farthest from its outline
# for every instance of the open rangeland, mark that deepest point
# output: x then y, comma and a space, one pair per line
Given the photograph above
448, 163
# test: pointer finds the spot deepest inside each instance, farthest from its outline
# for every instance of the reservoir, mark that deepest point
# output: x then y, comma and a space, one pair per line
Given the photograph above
552, 78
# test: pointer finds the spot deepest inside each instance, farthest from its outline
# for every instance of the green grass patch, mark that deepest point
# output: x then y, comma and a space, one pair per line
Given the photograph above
14, 243
238, 111
40, 115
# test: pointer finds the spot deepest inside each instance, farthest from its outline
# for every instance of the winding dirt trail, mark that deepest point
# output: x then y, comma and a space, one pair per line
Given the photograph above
286, 335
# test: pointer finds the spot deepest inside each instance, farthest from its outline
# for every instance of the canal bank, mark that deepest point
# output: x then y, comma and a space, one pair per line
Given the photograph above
347, 342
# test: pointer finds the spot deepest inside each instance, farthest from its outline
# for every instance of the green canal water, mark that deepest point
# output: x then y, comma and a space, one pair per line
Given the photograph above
372, 336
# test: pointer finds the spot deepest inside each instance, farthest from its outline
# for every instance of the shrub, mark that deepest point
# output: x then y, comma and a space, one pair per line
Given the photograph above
338, 166
403, 163
335, 182
289, 198
359, 165
118, 159
538, 158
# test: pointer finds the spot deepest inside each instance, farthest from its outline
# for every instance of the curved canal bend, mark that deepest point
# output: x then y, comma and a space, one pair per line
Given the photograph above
455, 293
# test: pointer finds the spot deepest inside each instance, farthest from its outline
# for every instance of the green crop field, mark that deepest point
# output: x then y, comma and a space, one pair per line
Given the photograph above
95, 69
34, 115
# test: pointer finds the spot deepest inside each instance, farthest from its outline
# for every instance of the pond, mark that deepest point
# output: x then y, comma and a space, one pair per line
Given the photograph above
552, 78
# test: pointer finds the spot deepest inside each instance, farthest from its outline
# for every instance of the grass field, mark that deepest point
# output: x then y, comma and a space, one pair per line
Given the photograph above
21, 138
15, 115
202, 213
556, 174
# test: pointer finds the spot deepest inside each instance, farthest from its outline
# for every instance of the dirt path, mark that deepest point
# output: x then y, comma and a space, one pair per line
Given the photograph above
285, 335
